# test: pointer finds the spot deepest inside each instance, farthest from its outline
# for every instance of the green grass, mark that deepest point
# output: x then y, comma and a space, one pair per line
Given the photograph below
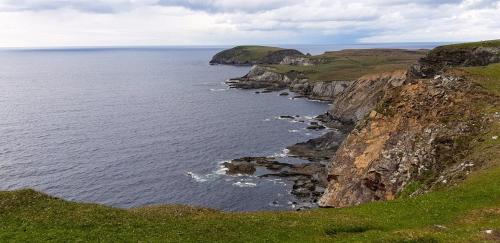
250, 53
488, 76
352, 64
487, 43
28, 215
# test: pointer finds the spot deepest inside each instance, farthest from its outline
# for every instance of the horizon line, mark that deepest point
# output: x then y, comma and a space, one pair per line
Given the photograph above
211, 45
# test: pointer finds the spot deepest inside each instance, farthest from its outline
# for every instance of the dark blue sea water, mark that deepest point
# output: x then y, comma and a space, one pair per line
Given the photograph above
130, 127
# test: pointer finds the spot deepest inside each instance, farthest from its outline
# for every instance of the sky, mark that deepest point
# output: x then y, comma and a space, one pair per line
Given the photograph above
45, 23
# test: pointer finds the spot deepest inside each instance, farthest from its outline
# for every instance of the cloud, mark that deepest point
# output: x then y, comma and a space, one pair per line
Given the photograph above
171, 22
95, 6
224, 6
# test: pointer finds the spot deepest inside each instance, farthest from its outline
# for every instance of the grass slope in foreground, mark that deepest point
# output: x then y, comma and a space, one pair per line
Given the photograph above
462, 213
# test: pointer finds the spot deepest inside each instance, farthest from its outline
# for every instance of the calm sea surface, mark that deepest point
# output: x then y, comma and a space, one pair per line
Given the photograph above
130, 127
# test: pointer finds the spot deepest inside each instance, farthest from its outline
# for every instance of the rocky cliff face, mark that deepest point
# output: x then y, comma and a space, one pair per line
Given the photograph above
260, 77
360, 98
278, 56
412, 128
320, 90
414, 135
297, 61
412, 132
452, 56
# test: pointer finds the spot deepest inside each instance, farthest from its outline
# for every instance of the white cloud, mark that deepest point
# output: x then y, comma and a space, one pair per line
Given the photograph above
174, 22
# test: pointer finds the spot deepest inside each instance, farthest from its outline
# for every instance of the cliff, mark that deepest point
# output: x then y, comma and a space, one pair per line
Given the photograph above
251, 55
413, 133
413, 126
262, 77
325, 76
467, 54
361, 97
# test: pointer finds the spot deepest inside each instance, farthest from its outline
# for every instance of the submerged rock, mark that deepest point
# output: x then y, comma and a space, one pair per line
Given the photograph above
309, 179
316, 127
239, 167
247, 165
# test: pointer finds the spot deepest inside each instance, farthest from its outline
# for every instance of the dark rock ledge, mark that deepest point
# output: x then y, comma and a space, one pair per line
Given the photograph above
309, 179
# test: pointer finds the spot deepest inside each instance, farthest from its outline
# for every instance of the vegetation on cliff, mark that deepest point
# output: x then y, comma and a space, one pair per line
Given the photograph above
250, 55
486, 76
351, 64
466, 54
487, 43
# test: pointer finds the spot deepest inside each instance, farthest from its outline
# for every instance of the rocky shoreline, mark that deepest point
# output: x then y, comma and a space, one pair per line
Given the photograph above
309, 178
393, 132
261, 77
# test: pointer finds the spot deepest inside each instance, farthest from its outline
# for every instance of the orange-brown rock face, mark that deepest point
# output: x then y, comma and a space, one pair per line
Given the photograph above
415, 134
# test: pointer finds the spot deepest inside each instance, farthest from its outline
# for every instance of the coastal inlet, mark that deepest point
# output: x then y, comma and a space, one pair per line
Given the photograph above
123, 127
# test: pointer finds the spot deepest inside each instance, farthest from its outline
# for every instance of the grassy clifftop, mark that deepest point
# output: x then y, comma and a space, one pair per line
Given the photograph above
354, 63
250, 55
487, 43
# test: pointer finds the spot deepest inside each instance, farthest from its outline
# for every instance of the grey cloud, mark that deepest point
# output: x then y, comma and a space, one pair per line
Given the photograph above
214, 6
110, 6
80, 5
228, 6
480, 4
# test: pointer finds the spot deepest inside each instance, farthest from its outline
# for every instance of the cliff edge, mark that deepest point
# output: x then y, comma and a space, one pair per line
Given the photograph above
415, 131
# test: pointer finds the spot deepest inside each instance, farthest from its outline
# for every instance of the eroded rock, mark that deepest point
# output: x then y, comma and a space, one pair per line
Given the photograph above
309, 179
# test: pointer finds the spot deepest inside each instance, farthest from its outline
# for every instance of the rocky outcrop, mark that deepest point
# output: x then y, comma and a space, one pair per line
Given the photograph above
408, 138
247, 165
320, 90
412, 128
261, 77
309, 179
444, 57
297, 61
358, 99
277, 57
251, 55
319, 149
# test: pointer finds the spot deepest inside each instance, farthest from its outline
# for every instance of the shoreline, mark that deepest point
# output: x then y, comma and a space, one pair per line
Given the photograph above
310, 177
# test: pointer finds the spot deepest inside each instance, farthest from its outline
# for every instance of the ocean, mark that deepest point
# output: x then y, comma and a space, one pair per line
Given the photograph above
130, 127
